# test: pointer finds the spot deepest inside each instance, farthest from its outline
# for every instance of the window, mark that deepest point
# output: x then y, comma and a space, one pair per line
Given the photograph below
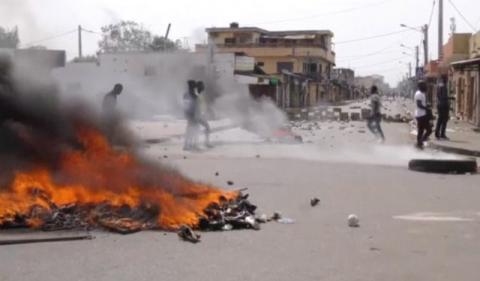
288, 66
260, 63
229, 41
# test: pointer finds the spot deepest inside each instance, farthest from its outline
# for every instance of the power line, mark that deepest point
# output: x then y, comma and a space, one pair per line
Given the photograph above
91, 31
377, 64
462, 16
50, 38
431, 13
372, 37
329, 13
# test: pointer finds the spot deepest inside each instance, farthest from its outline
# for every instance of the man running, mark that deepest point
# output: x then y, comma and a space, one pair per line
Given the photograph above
422, 114
375, 118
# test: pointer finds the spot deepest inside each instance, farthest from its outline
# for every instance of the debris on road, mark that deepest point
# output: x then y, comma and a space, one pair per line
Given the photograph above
314, 201
230, 182
276, 216
45, 240
239, 213
353, 221
187, 234
286, 221
217, 174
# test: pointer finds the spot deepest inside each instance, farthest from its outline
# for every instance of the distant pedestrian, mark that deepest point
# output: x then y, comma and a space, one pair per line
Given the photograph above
443, 110
423, 115
189, 104
201, 111
110, 100
109, 105
375, 117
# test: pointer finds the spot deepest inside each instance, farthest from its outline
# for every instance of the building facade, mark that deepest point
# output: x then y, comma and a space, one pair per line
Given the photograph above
300, 60
465, 83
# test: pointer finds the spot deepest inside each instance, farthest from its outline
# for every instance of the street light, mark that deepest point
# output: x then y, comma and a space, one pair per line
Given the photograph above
424, 30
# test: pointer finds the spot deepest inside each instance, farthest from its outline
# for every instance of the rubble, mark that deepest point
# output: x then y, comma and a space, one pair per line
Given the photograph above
238, 213
353, 221
187, 234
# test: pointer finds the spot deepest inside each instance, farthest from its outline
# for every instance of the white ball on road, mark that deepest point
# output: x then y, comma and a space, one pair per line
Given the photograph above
353, 221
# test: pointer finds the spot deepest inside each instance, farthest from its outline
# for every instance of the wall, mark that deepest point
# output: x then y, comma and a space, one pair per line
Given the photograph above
475, 45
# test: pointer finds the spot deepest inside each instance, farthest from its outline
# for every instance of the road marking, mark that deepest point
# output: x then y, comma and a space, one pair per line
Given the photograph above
435, 217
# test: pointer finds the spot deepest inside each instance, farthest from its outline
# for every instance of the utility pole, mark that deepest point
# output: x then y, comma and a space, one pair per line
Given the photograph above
166, 37
79, 41
425, 43
416, 58
409, 70
440, 29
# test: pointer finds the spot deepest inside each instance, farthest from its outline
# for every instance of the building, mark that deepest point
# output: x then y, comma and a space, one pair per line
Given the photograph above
344, 78
364, 83
465, 82
36, 59
301, 61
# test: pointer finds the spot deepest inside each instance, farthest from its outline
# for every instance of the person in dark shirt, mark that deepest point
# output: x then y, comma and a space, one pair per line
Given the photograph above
110, 100
375, 118
108, 106
443, 110
189, 102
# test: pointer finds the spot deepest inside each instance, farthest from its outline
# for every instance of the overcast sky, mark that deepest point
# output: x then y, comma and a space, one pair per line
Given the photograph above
347, 19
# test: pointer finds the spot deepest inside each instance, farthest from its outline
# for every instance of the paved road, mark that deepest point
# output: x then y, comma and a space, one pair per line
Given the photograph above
414, 226
319, 246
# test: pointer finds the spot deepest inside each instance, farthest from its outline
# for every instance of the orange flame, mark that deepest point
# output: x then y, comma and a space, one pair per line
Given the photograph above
98, 174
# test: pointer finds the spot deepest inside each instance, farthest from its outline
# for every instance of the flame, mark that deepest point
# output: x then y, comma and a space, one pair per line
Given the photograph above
99, 174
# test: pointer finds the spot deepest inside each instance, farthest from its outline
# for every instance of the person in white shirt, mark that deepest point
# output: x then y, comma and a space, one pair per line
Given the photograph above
375, 118
422, 114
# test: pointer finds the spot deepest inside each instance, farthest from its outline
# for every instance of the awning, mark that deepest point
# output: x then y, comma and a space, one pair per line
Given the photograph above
468, 62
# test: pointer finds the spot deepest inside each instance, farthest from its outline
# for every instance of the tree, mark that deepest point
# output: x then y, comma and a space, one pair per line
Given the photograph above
91, 58
159, 43
9, 39
129, 36
126, 36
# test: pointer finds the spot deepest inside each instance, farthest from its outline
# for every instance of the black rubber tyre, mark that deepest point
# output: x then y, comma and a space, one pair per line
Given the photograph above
443, 166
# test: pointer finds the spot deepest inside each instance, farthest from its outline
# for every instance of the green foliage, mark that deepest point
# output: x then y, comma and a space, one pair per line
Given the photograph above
9, 38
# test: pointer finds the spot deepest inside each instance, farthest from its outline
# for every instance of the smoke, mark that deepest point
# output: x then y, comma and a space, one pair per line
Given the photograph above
154, 84
36, 127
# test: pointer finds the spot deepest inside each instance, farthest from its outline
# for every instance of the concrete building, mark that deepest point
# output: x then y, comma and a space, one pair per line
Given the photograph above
301, 61
465, 82
36, 59
344, 78
364, 83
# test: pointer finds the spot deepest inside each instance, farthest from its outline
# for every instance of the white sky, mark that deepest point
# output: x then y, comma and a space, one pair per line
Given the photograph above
348, 19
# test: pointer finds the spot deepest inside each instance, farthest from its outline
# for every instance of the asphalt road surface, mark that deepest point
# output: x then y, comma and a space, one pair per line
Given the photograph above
413, 226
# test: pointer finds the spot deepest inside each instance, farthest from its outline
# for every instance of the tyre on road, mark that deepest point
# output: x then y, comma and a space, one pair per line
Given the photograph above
443, 166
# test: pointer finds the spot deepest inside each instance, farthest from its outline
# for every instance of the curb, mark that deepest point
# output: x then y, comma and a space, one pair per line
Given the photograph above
462, 151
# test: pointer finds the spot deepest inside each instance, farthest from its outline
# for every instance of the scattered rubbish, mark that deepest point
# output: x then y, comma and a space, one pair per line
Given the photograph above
217, 174
227, 227
362, 131
314, 201
230, 182
239, 213
44, 240
276, 216
374, 249
184, 157
286, 221
187, 234
262, 218
258, 156
165, 156
353, 221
